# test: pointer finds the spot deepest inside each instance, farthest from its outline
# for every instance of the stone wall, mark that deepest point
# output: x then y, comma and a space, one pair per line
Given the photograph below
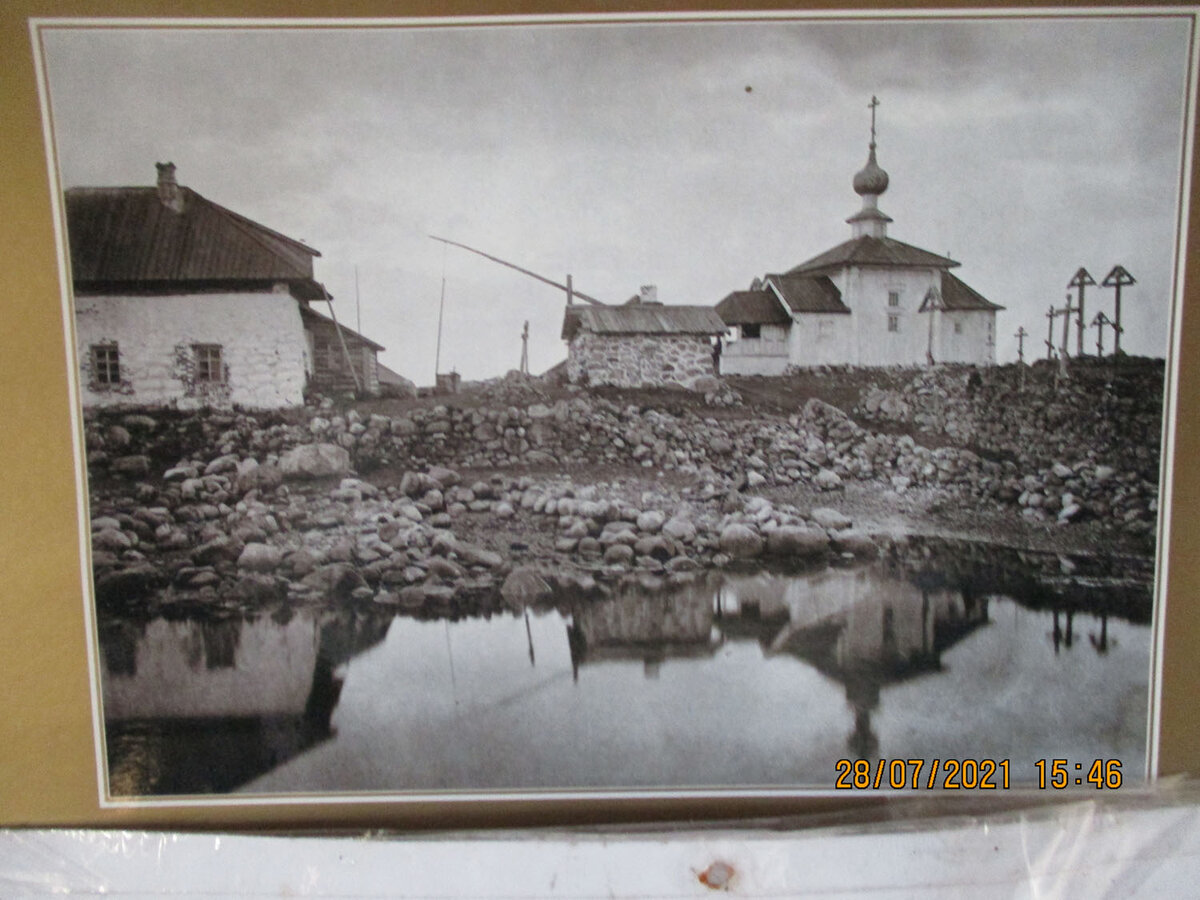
261, 340
639, 360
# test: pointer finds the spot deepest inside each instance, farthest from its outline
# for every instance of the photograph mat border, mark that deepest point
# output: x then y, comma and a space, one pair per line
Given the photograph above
40, 25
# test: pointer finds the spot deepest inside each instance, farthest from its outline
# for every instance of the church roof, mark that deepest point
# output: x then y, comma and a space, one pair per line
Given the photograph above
753, 308
127, 236
808, 293
957, 295
873, 251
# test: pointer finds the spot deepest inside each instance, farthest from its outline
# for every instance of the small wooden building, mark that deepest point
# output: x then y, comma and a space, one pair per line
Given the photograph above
331, 369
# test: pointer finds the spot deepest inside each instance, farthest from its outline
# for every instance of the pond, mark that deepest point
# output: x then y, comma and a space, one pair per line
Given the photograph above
730, 679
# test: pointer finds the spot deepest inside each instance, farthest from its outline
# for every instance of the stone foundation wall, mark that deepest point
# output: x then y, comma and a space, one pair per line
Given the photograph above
639, 360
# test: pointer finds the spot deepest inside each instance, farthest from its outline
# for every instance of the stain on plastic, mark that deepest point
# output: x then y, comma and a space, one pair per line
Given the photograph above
717, 876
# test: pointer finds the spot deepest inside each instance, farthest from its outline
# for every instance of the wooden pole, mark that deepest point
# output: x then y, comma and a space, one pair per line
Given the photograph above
1021, 334
933, 302
342, 341
562, 287
437, 353
1051, 314
525, 349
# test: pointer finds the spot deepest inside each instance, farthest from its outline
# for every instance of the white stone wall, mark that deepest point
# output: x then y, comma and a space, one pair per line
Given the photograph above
820, 339
865, 290
638, 360
974, 341
262, 341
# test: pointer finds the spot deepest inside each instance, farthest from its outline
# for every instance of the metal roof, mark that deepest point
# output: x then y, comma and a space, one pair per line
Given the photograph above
128, 237
873, 251
752, 308
808, 293
647, 318
956, 295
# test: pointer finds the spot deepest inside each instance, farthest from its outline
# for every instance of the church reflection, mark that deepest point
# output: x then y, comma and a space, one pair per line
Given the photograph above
205, 706
863, 629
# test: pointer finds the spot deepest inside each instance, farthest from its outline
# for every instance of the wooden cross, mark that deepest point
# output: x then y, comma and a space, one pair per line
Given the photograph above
1098, 323
1080, 280
1051, 314
525, 349
872, 105
1020, 336
1117, 279
1065, 312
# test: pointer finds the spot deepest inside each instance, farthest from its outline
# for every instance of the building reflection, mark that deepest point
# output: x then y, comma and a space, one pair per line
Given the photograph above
861, 628
651, 625
205, 706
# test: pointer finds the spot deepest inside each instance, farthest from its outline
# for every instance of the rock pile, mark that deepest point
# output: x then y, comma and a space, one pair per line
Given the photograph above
236, 532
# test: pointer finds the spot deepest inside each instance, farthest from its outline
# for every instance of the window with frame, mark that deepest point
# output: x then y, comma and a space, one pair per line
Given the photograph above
893, 298
958, 327
752, 331
210, 368
893, 322
106, 364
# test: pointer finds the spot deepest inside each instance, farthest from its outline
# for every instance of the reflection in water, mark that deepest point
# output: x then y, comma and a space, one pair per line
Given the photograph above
733, 679
649, 626
213, 704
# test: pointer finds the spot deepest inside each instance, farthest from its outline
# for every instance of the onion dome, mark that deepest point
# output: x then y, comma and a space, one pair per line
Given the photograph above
871, 179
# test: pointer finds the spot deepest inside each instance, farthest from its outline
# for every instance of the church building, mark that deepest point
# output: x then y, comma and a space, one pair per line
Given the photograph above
870, 301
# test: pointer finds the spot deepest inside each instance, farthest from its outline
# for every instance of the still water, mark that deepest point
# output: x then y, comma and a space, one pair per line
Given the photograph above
736, 679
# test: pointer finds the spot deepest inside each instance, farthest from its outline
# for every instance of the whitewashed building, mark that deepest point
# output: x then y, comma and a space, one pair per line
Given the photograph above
870, 301
179, 301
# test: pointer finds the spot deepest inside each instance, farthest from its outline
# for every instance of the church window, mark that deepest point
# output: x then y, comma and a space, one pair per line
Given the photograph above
893, 322
958, 327
752, 330
893, 298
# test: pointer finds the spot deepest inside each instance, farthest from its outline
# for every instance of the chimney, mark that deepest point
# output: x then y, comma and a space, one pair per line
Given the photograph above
648, 293
168, 189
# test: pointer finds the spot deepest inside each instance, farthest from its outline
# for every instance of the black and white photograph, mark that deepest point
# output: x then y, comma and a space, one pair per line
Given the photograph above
720, 405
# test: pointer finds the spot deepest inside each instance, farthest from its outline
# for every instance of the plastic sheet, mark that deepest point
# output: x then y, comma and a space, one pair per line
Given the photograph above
1139, 843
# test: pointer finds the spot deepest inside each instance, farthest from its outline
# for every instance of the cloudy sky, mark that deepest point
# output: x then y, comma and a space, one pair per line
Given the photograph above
690, 156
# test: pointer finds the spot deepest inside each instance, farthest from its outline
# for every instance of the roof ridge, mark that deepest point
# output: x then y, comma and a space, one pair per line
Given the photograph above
256, 229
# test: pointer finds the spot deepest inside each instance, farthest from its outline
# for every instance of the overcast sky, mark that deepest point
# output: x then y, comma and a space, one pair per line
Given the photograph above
691, 156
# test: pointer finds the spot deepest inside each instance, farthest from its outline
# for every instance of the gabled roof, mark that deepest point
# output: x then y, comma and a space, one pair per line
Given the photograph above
753, 308
873, 251
957, 295
646, 318
126, 236
310, 317
804, 293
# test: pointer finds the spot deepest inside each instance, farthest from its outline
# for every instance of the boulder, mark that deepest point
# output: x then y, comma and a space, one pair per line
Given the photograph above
132, 466
680, 529
830, 519
132, 583
334, 581
315, 461
740, 541
260, 558
523, 586
852, 540
797, 541
828, 480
